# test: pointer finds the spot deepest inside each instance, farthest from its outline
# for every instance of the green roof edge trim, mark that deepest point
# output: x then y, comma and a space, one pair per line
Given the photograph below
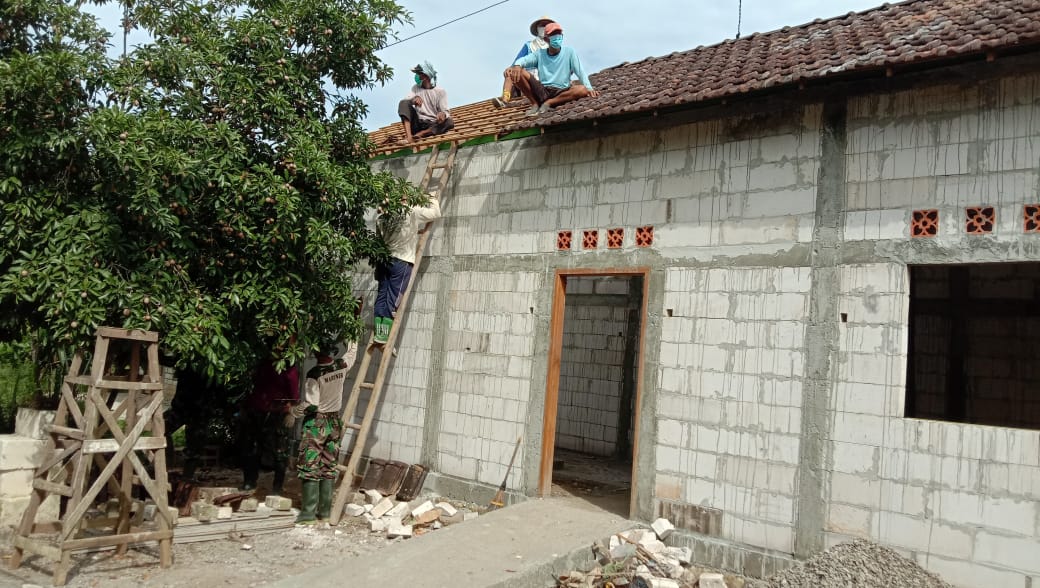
405, 152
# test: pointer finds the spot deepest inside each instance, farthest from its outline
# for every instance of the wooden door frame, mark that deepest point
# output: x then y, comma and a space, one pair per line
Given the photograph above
552, 384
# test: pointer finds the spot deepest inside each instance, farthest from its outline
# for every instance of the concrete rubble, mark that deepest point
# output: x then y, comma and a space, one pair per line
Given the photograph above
405, 519
640, 558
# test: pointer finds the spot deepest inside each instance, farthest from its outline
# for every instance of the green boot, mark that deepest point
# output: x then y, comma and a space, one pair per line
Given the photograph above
382, 329
325, 488
308, 503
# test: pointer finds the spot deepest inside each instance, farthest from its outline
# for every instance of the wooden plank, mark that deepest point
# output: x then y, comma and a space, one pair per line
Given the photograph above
51, 487
68, 397
58, 457
36, 546
552, 383
131, 334
66, 431
121, 539
110, 384
111, 445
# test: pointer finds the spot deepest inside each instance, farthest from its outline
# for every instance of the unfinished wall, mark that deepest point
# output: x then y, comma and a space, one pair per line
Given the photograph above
961, 498
592, 365
767, 418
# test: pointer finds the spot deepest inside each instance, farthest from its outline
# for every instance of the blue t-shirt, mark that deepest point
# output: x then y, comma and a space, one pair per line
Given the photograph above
556, 70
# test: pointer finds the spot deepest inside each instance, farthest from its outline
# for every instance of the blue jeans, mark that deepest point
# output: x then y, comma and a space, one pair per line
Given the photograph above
393, 279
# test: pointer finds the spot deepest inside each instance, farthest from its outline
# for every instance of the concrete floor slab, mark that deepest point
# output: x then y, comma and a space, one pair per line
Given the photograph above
519, 546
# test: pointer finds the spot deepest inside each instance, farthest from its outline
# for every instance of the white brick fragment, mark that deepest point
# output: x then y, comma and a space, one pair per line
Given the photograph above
398, 530
224, 512
382, 507
377, 525
424, 507
354, 510
374, 497
708, 580
447, 508
663, 528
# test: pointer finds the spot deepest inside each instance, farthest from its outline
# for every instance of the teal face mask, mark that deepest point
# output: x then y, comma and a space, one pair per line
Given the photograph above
556, 41
418, 80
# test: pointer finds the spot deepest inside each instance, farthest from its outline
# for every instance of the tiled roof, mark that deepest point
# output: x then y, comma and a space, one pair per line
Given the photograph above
889, 36
471, 120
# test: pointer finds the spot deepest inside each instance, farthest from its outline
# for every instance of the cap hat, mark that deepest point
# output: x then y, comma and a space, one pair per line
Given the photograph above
545, 20
553, 29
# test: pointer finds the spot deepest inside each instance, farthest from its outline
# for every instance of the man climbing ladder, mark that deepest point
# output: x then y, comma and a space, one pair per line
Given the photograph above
408, 250
402, 237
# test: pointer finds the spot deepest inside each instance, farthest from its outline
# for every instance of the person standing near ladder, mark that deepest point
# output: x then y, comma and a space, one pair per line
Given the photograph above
401, 234
322, 430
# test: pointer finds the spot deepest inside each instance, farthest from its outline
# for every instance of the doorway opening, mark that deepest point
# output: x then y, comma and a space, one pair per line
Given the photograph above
592, 393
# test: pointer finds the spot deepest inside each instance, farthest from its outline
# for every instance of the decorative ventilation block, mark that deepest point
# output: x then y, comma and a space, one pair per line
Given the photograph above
615, 238
925, 223
1031, 212
590, 239
979, 220
563, 240
644, 236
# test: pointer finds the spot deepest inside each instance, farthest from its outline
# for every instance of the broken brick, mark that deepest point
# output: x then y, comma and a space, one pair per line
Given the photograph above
278, 502
249, 505
398, 530
354, 510
428, 517
224, 512
663, 528
382, 507
446, 508
374, 497
422, 508
203, 511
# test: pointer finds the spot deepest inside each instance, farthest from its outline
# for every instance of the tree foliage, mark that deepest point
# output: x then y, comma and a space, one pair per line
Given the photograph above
211, 185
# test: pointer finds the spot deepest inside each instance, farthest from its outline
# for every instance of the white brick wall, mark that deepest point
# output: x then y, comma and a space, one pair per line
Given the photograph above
728, 424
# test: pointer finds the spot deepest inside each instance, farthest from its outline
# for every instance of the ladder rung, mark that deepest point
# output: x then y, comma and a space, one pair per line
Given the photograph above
439, 165
367, 385
352, 426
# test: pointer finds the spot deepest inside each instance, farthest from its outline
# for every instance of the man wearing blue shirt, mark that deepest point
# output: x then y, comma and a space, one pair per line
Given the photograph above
555, 66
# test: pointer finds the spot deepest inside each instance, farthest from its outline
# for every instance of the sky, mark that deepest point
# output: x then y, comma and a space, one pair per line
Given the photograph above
471, 54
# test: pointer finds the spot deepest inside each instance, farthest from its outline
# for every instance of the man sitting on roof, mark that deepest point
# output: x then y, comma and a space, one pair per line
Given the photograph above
556, 65
424, 111
538, 43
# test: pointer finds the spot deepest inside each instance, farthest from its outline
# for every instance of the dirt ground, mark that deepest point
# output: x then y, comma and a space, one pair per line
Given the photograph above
243, 561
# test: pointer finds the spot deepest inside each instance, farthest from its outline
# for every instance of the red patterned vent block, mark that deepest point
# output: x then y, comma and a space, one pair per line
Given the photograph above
1031, 212
979, 220
644, 236
590, 239
563, 240
925, 223
615, 238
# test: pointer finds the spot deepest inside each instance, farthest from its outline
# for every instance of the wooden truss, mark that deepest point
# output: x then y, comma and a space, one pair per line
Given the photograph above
120, 421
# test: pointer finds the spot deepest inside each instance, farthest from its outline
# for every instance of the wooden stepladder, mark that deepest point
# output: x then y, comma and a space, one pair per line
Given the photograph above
121, 416
384, 350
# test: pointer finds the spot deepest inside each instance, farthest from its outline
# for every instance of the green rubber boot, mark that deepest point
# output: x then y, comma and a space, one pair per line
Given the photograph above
308, 503
382, 329
325, 489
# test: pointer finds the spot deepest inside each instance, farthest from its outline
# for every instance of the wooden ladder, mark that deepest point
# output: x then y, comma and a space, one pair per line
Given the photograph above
384, 350
109, 432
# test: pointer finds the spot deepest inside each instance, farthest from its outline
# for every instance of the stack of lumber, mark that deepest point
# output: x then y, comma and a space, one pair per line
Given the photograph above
264, 520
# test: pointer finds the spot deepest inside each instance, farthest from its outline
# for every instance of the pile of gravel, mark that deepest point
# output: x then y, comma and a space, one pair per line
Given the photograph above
861, 564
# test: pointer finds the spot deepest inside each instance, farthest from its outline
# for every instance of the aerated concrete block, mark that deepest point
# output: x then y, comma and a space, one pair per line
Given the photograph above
21, 453
447, 508
358, 498
374, 497
278, 502
398, 530
377, 525
224, 512
249, 505
382, 507
16, 482
29, 422
203, 511
353, 510
711, 581
663, 528
424, 507
398, 511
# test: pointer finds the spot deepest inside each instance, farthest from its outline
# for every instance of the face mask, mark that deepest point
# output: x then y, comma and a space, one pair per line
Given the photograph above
556, 41
541, 32
418, 80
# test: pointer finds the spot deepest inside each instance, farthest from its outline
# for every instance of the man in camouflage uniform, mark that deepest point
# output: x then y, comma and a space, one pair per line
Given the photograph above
322, 431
